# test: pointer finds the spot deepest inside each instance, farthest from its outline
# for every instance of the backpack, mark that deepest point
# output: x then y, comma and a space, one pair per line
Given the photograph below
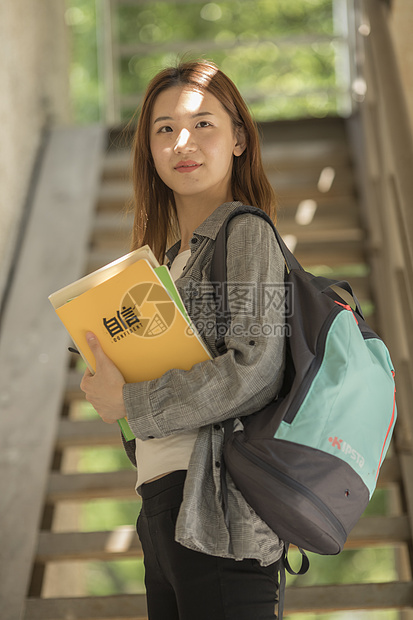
308, 462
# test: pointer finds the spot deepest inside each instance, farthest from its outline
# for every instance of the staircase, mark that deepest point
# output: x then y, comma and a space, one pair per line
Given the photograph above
80, 202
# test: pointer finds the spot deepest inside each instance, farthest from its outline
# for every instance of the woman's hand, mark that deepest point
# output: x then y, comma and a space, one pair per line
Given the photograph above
104, 389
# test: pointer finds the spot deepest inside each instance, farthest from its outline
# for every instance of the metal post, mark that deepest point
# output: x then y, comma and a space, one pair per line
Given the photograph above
107, 64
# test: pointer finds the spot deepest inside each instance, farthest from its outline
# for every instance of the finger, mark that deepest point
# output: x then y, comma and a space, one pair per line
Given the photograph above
92, 341
107, 420
83, 386
86, 376
95, 347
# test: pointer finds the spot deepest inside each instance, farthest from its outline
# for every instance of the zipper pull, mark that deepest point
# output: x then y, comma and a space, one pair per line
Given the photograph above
347, 307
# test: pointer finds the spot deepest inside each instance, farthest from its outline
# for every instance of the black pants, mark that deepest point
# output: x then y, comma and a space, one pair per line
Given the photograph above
182, 584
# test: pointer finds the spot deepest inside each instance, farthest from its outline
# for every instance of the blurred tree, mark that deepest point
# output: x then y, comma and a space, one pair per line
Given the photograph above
85, 88
279, 54
254, 41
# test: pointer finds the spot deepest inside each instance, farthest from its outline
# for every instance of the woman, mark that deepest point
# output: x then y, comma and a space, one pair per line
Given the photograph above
196, 158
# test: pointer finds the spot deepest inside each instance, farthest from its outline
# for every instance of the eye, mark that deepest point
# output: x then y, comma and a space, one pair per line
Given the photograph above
165, 129
204, 124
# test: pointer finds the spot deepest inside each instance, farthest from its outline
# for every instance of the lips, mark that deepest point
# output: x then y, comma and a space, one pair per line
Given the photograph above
187, 166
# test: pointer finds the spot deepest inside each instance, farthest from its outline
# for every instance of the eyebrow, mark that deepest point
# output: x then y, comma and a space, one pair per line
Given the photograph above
169, 118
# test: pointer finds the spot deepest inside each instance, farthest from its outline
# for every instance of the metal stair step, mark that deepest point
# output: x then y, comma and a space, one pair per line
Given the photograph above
116, 484
117, 607
122, 542
86, 433
314, 599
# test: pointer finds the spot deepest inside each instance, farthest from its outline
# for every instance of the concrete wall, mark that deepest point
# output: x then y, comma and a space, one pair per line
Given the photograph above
34, 78
401, 23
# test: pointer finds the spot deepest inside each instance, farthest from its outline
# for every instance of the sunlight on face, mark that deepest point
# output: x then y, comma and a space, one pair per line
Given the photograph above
191, 100
193, 144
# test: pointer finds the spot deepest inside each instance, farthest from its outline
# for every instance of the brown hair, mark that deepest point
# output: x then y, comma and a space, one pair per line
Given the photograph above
154, 205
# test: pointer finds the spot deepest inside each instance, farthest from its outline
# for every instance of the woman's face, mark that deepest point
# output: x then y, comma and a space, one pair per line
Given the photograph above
193, 143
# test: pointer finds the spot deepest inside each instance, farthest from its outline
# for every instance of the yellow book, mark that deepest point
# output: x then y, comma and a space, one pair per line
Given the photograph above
137, 322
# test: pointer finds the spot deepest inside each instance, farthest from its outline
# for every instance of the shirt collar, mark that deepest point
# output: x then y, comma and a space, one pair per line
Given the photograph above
209, 227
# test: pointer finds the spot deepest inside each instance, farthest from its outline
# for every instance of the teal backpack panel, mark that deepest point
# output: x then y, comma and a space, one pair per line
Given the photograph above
355, 375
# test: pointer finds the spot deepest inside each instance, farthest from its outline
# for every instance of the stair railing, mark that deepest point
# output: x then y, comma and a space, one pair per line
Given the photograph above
383, 147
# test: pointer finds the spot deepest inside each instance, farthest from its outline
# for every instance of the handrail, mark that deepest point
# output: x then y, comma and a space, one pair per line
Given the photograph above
383, 148
396, 113
383, 141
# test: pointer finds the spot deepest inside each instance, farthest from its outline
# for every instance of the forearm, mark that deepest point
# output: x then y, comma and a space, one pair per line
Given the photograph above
210, 392
242, 380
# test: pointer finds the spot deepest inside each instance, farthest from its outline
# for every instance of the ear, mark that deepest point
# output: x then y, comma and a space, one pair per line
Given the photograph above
241, 143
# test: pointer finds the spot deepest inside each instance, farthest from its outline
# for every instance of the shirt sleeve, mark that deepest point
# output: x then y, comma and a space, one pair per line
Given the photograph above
249, 375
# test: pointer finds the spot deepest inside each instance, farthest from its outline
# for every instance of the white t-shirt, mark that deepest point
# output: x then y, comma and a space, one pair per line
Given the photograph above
179, 264
155, 457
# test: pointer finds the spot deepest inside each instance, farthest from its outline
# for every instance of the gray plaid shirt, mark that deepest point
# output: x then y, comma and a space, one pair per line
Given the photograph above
235, 384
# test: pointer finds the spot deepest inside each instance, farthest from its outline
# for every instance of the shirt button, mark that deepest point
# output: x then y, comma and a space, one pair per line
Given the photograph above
217, 464
194, 240
217, 427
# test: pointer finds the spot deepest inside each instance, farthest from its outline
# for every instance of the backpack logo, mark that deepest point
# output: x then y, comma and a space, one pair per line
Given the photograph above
336, 442
347, 450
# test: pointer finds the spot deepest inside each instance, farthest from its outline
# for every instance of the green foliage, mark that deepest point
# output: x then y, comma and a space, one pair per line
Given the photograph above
116, 577
107, 514
85, 87
168, 22
351, 566
252, 47
278, 53
103, 458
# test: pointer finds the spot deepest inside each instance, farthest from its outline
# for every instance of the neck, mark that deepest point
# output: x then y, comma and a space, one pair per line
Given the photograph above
191, 212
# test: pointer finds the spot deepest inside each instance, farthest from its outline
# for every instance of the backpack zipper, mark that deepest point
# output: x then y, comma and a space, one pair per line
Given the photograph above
314, 367
390, 425
297, 486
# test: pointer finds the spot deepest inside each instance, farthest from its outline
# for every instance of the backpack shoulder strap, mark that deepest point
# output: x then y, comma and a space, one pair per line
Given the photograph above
219, 269
219, 272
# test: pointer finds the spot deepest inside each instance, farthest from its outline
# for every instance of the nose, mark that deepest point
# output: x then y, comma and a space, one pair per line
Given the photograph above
184, 142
